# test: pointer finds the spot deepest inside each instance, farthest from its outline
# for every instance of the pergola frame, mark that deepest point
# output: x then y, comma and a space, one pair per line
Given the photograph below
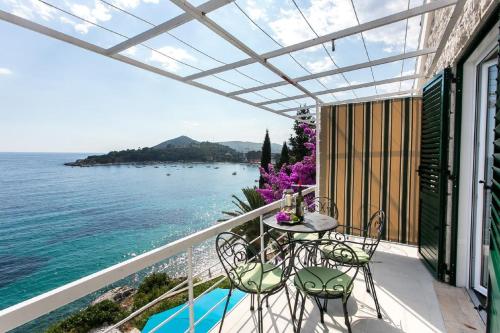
200, 14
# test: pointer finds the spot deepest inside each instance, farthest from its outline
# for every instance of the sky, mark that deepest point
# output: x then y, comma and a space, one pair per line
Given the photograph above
55, 97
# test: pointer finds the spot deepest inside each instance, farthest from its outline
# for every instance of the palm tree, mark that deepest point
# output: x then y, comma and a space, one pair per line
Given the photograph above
254, 200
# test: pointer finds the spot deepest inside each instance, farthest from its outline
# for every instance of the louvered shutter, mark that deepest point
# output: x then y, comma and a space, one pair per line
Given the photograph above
494, 258
433, 172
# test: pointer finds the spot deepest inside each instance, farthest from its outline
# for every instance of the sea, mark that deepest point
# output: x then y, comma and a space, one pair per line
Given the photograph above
60, 223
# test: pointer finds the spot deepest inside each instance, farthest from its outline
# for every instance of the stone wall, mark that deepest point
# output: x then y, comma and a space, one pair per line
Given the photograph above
473, 14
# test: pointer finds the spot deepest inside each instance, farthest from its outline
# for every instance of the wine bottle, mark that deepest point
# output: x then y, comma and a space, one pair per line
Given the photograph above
299, 204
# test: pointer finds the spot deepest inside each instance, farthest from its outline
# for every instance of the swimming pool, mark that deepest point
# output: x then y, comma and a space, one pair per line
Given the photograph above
180, 323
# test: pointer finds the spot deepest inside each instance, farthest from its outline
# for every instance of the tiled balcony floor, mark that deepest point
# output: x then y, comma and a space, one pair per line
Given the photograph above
405, 289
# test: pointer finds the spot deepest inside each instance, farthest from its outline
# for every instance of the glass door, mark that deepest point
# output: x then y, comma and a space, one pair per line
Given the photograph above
486, 97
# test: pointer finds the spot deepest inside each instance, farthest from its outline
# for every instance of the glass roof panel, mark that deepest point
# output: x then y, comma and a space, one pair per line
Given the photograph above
160, 58
286, 64
375, 9
221, 84
240, 78
289, 90
305, 101
386, 41
153, 11
387, 71
394, 87
329, 98
259, 72
273, 94
255, 97
343, 95
364, 92
288, 26
232, 18
358, 76
198, 45
69, 18
314, 85
282, 105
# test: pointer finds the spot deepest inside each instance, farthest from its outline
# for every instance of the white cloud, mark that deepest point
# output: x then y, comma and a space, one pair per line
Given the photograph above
257, 11
99, 13
66, 20
131, 51
321, 65
127, 4
325, 16
168, 63
151, 1
5, 71
31, 9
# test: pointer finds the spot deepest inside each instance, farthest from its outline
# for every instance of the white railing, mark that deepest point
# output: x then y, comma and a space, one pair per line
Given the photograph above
35, 307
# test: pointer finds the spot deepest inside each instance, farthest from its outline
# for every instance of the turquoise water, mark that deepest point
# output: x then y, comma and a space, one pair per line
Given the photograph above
60, 223
180, 322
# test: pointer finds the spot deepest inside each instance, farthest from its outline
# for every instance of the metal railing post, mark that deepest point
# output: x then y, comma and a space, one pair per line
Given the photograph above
190, 288
262, 242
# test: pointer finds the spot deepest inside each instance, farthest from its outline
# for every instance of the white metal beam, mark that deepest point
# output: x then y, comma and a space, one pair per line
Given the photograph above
457, 11
339, 70
406, 14
396, 94
173, 23
345, 88
356, 100
202, 18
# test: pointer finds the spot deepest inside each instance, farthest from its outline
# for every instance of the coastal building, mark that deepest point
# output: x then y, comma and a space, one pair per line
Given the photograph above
424, 147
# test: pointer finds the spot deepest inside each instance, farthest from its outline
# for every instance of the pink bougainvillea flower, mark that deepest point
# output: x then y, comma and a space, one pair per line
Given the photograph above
276, 181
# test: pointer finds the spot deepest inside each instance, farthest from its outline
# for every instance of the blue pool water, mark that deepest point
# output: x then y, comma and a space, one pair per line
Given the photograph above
180, 322
60, 223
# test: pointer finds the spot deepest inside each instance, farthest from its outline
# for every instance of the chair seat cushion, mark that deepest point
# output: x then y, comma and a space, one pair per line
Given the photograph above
305, 236
256, 277
323, 281
340, 255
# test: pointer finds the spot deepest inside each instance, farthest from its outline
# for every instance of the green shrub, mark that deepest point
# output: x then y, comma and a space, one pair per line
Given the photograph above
152, 287
105, 312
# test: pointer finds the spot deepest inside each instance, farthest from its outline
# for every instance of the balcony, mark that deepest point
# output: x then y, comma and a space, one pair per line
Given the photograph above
388, 150
410, 299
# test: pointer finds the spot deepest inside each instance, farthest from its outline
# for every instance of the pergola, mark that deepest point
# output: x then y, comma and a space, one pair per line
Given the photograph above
283, 92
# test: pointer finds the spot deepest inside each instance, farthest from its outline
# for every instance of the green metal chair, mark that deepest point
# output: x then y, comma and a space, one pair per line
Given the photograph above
364, 246
247, 272
320, 278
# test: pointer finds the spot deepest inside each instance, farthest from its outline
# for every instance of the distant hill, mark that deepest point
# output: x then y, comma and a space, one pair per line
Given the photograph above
179, 142
245, 146
182, 148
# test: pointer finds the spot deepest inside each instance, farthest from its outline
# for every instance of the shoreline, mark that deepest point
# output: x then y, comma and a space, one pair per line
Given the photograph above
152, 163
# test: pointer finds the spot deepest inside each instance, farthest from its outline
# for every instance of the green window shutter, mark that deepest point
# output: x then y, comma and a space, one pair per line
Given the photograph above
433, 172
494, 258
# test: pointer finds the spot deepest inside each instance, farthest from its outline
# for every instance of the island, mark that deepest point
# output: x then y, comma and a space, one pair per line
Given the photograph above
180, 149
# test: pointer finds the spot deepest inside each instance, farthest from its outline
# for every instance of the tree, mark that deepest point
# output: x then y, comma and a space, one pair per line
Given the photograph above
265, 158
297, 142
254, 200
284, 156
303, 172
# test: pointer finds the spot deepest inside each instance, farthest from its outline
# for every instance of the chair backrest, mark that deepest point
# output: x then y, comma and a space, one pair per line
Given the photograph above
313, 258
323, 205
241, 260
373, 232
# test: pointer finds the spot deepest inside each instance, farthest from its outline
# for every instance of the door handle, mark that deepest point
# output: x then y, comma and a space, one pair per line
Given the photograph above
486, 186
